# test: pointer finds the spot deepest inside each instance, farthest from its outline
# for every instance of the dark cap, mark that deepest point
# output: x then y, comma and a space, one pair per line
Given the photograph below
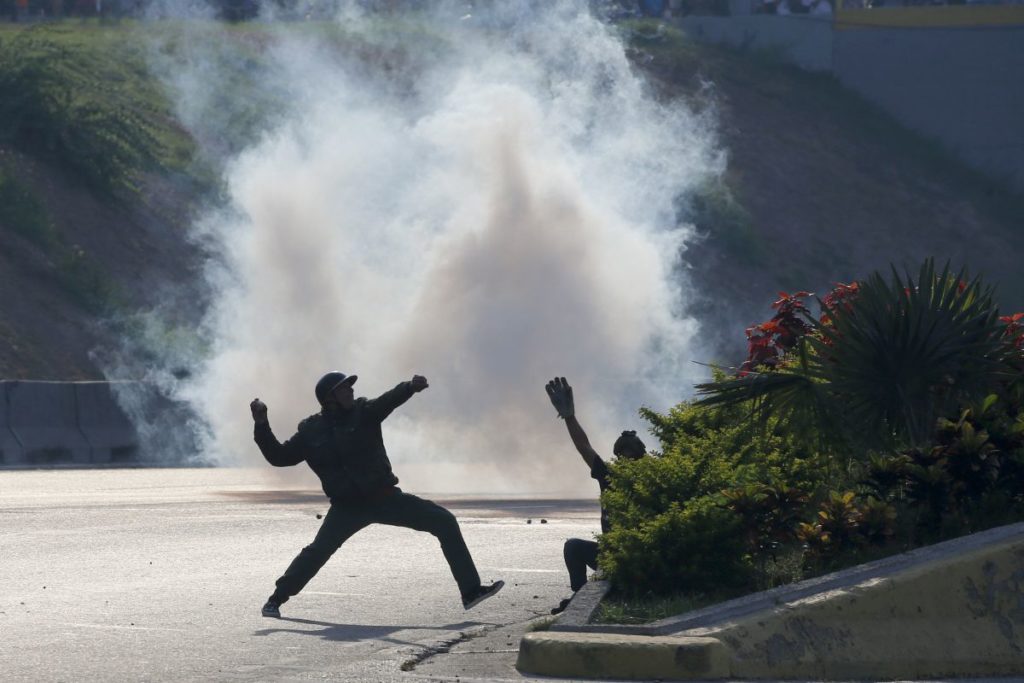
330, 382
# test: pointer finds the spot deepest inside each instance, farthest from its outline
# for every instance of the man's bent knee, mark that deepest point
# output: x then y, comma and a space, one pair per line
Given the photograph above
443, 524
574, 546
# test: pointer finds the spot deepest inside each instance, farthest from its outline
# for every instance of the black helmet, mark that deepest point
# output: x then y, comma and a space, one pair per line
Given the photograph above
330, 382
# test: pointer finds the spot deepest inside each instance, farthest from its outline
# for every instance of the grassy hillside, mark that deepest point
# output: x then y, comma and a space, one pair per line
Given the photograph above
98, 181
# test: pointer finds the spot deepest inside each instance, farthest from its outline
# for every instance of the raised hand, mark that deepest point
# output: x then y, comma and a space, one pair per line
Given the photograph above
419, 383
259, 410
560, 394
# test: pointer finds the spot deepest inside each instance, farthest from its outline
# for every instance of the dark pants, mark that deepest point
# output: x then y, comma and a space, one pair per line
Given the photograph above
579, 555
397, 509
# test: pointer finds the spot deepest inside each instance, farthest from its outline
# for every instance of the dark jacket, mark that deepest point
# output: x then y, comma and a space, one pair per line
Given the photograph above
344, 447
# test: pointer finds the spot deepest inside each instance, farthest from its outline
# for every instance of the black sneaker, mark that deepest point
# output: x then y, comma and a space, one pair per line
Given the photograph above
271, 609
480, 594
561, 606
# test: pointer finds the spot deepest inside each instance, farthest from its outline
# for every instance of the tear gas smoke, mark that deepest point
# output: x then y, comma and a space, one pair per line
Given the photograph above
494, 209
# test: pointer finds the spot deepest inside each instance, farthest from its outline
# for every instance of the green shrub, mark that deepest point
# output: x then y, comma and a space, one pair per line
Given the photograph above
21, 210
925, 369
81, 105
672, 526
716, 212
968, 479
694, 547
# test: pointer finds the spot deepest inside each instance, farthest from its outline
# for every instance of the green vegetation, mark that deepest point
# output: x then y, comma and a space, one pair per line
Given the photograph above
672, 528
77, 273
893, 419
240, 104
884, 361
22, 211
85, 281
718, 214
623, 609
84, 99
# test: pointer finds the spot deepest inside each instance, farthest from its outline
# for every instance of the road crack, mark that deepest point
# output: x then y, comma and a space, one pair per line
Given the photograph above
444, 647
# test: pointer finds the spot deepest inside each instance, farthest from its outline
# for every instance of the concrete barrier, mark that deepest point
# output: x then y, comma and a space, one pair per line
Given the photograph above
638, 658
102, 423
804, 40
43, 416
111, 435
11, 452
952, 610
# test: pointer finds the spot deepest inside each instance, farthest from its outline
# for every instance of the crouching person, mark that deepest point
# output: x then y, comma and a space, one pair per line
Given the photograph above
581, 554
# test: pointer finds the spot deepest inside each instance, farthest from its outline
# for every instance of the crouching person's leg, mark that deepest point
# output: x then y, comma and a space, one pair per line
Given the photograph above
579, 555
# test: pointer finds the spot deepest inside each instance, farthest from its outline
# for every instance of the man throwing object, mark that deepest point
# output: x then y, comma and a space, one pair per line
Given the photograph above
343, 445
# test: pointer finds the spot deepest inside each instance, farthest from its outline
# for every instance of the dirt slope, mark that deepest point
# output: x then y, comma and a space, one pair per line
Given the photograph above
830, 189
60, 303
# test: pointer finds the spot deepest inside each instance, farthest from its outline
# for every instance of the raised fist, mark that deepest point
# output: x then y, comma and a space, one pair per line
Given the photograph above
560, 394
419, 383
259, 410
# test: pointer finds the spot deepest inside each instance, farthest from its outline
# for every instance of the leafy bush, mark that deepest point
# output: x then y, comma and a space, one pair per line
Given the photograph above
968, 479
696, 546
925, 370
672, 525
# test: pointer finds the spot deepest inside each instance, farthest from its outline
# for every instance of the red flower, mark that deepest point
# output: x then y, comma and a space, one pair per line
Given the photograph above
1014, 329
768, 342
841, 297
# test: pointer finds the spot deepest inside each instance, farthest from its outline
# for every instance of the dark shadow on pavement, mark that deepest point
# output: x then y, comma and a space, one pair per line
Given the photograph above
350, 633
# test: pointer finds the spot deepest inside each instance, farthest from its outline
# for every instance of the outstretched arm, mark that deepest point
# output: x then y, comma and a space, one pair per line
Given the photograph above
383, 405
561, 397
278, 454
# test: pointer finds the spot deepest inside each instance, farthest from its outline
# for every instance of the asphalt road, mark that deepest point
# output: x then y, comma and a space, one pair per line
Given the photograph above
158, 575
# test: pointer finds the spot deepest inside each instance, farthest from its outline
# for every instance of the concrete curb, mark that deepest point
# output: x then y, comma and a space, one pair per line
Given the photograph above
604, 655
955, 609
581, 608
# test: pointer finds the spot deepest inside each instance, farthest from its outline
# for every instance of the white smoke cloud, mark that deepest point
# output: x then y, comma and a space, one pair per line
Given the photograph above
496, 207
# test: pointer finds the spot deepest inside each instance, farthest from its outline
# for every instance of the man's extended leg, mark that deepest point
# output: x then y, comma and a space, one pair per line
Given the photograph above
338, 526
579, 555
412, 512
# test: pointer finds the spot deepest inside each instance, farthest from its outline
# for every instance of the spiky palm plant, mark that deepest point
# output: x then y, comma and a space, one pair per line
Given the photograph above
884, 366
